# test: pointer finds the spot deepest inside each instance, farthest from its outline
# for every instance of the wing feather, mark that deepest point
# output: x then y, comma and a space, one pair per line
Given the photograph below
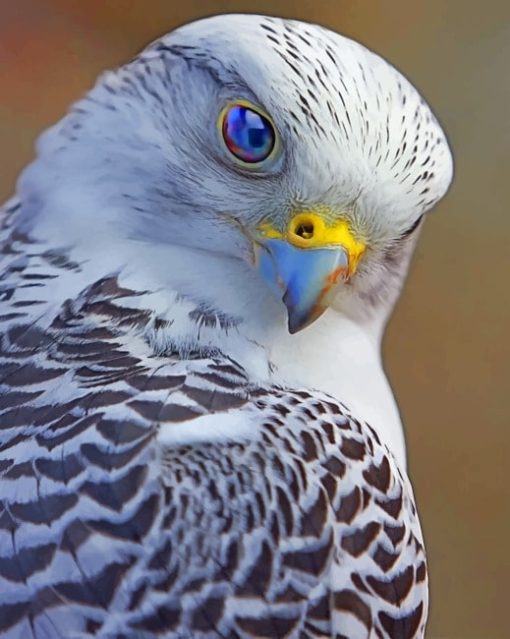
145, 496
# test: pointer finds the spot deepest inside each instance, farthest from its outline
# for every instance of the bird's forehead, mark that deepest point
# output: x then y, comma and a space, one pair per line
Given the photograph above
311, 67
342, 104
311, 79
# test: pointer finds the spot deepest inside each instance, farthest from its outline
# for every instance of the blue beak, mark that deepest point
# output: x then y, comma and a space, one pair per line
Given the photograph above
303, 278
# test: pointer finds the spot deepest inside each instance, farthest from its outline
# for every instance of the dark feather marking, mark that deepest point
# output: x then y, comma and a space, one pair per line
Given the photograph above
404, 627
350, 601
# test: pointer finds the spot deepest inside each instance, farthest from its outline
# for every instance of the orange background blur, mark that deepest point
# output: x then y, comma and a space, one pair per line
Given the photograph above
447, 350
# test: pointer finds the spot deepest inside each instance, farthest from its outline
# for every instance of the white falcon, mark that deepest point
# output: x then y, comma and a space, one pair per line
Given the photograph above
197, 438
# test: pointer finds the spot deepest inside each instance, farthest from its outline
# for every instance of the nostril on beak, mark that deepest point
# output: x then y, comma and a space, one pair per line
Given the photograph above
305, 230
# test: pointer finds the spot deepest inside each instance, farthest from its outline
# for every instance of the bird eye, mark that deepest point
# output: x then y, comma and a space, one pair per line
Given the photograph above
248, 135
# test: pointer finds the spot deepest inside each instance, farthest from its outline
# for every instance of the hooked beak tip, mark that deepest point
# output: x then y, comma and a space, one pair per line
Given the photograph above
304, 279
300, 318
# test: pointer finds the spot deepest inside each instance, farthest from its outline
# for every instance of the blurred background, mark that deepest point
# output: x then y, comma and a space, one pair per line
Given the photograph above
447, 349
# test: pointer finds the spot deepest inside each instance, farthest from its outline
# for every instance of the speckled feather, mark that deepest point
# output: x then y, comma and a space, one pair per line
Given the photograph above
304, 528
157, 485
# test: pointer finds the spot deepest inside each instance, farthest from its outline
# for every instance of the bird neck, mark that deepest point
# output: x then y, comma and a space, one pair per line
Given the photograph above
221, 305
207, 304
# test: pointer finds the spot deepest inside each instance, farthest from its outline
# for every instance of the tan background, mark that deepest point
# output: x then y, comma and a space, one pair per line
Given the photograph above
447, 350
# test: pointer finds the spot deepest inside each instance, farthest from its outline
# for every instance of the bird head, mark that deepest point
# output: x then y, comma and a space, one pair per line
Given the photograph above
294, 151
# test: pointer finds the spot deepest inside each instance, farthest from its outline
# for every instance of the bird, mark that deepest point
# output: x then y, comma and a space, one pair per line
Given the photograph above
197, 435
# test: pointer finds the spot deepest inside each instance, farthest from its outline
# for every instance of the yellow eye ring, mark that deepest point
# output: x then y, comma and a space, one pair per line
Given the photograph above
248, 134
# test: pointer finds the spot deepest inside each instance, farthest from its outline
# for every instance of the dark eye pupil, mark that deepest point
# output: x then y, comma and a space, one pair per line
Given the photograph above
256, 137
248, 134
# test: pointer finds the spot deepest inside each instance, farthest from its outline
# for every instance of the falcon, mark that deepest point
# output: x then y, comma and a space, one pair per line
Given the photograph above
197, 436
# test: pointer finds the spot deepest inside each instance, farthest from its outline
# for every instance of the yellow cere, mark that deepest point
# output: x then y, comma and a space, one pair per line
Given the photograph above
309, 230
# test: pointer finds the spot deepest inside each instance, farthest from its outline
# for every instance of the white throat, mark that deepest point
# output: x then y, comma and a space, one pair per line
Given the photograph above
336, 354
340, 357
